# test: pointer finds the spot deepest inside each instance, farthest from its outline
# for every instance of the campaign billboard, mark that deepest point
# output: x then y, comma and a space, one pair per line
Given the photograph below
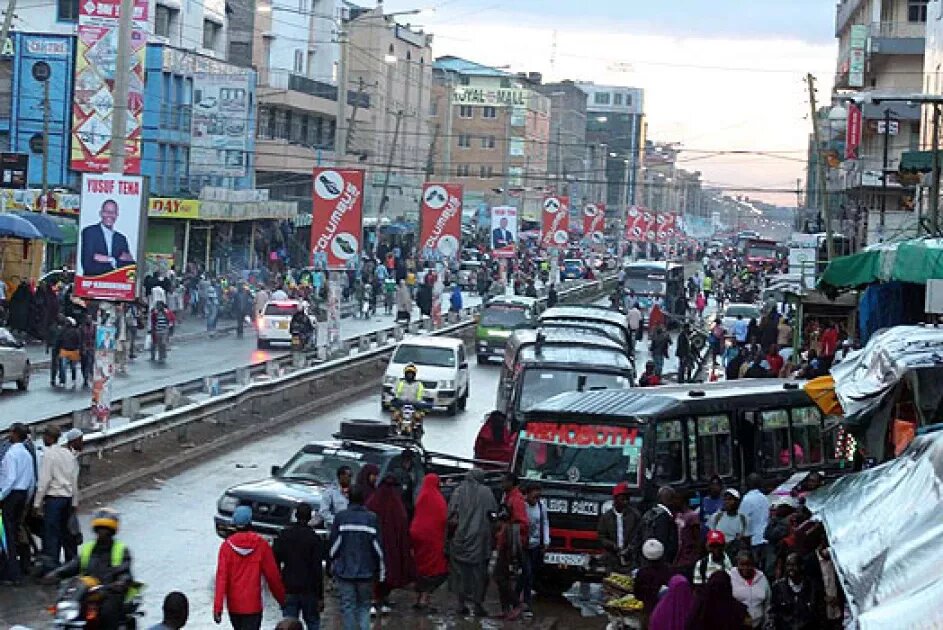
441, 221
640, 225
219, 128
503, 231
594, 221
555, 222
96, 61
337, 218
110, 224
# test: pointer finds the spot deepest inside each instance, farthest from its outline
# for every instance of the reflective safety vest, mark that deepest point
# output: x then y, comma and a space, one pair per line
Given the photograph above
117, 555
409, 391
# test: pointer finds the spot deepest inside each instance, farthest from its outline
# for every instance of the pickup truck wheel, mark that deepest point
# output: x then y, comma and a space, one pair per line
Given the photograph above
481, 358
261, 344
463, 401
452, 409
23, 383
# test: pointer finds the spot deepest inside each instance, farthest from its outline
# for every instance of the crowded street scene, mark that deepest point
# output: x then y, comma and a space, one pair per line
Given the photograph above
321, 316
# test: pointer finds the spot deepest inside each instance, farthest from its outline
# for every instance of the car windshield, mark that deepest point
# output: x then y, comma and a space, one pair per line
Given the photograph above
282, 309
761, 251
645, 286
540, 385
319, 464
579, 453
748, 312
504, 316
425, 355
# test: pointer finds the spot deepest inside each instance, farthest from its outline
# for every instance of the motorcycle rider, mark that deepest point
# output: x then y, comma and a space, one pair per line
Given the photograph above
107, 560
301, 325
408, 389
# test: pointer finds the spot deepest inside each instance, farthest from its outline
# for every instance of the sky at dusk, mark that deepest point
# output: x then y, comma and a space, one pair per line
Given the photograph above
718, 75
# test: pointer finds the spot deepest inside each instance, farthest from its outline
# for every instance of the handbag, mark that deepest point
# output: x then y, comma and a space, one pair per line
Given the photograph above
69, 355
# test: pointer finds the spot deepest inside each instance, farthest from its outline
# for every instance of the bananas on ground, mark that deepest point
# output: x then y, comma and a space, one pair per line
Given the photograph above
620, 581
627, 603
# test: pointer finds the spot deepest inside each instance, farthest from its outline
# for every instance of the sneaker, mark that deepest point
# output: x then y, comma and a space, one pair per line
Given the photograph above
385, 610
373, 611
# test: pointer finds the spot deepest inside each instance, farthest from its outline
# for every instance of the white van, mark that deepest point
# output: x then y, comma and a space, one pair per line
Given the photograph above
441, 365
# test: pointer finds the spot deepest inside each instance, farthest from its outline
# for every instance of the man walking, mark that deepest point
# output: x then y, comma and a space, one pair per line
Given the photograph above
659, 523
17, 482
634, 319
336, 497
299, 553
57, 494
242, 307
470, 510
244, 559
755, 507
357, 560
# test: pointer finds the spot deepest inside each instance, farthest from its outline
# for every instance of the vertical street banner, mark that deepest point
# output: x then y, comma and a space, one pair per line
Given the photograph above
110, 224
441, 221
337, 217
665, 222
555, 222
648, 220
633, 225
594, 220
503, 231
104, 371
853, 132
93, 102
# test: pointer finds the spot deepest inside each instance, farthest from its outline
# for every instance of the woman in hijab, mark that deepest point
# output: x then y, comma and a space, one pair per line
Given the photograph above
387, 504
495, 443
471, 511
715, 607
367, 480
20, 307
427, 535
674, 608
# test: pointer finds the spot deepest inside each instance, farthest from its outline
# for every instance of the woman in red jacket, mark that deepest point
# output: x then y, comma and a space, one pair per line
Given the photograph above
427, 537
495, 443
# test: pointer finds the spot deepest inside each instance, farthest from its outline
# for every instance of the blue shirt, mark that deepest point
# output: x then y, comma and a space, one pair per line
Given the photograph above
16, 471
740, 329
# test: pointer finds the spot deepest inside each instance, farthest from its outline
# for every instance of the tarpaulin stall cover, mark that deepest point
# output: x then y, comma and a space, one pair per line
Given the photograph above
886, 534
867, 381
916, 260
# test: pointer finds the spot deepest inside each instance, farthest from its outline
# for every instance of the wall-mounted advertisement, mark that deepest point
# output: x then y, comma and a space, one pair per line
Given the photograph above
594, 220
441, 219
337, 220
93, 102
220, 142
503, 231
555, 222
110, 222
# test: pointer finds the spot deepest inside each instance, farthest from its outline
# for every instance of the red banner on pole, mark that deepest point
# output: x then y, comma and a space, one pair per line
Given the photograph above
594, 220
441, 220
555, 223
337, 217
853, 132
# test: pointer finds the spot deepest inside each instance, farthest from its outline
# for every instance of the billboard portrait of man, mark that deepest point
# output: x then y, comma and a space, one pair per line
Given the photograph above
501, 236
104, 248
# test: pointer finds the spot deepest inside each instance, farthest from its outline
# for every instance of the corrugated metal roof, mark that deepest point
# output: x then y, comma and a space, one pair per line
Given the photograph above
585, 312
580, 355
458, 65
608, 402
581, 337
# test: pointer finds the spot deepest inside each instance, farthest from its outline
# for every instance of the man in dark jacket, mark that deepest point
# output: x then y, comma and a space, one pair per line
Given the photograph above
241, 306
659, 523
299, 553
618, 531
683, 352
659, 348
357, 560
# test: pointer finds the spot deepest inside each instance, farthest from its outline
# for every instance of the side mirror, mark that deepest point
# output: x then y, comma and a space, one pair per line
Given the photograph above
276, 470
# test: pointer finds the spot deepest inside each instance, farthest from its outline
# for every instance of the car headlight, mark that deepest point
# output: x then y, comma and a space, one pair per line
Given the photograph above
389, 380
446, 384
68, 611
227, 503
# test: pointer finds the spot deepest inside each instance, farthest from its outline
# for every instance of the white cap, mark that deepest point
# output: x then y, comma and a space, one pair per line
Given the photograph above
653, 550
73, 434
786, 500
732, 492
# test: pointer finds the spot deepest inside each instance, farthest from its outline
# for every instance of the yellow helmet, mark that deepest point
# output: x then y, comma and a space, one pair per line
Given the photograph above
106, 517
410, 368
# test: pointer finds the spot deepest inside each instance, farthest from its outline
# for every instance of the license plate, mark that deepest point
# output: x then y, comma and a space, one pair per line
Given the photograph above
567, 559
282, 325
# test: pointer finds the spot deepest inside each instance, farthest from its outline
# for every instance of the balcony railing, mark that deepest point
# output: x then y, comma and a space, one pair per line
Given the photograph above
286, 80
898, 30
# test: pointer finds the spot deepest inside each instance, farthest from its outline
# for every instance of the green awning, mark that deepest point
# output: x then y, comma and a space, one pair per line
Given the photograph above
919, 260
918, 161
857, 270
916, 260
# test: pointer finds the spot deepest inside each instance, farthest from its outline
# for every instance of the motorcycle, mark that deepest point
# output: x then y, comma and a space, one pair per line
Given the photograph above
407, 419
79, 603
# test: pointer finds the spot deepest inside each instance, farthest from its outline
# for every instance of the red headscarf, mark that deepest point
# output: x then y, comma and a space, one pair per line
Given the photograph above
387, 504
428, 529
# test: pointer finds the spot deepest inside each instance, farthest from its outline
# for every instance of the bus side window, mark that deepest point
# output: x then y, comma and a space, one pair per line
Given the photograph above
774, 440
807, 436
669, 453
693, 468
714, 445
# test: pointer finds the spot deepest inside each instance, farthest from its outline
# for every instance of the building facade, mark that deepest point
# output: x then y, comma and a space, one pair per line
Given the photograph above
881, 50
615, 117
567, 155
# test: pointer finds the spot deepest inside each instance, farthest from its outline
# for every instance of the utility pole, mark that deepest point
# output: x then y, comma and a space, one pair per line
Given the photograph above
7, 22
119, 115
887, 133
45, 203
430, 159
447, 158
935, 191
822, 168
389, 167
340, 124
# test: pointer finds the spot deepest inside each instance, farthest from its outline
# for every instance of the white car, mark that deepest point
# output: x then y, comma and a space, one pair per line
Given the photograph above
14, 364
441, 365
274, 323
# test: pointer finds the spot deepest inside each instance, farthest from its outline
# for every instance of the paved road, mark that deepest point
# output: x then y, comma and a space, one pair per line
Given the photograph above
187, 360
169, 525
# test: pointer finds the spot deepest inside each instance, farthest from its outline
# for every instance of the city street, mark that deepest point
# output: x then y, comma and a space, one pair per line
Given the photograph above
169, 525
187, 360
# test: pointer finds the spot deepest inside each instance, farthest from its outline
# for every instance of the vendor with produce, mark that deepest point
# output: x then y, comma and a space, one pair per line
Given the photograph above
618, 529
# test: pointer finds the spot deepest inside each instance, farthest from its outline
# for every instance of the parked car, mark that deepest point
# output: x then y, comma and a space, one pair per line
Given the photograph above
14, 363
441, 365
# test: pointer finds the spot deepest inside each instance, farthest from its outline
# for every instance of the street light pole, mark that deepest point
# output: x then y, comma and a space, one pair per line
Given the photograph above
119, 115
887, 132
340, 124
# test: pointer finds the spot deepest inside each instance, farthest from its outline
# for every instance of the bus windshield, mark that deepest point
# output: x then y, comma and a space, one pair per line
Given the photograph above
579, 453
645, 285
540, 385
761, 250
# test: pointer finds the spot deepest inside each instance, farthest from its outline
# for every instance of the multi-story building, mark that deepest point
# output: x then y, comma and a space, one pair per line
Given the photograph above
668, 188
615, 117
880, 50
566, 159
392, 65
494, 134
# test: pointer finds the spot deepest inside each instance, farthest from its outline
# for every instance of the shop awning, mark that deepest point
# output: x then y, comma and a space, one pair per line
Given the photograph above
915, 260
